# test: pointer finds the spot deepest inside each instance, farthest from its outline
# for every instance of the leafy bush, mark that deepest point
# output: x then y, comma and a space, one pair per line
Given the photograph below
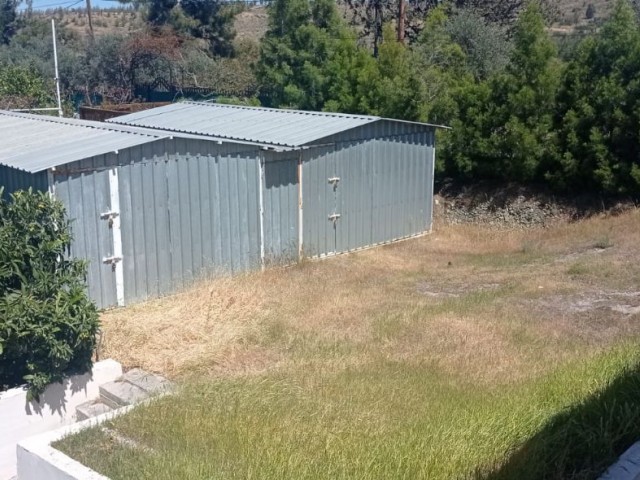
47, 323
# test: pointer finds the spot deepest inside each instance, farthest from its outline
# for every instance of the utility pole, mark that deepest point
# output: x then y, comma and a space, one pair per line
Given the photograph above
377, 33
402, 14
90, 20
55, 63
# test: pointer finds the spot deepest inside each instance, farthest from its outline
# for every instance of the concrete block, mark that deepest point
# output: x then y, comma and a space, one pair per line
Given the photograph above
149, 382
91, 409
627, 467
121, 393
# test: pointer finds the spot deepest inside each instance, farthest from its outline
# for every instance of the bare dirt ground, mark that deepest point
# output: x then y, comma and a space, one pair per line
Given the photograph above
490, 304
251, 24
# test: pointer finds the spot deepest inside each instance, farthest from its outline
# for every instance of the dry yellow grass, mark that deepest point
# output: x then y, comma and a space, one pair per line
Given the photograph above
492, 305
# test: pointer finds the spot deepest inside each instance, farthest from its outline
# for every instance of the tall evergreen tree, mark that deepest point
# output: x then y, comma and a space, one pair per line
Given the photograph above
8, 20
598, 112
214, 23
505, 123
159, 11
303, 40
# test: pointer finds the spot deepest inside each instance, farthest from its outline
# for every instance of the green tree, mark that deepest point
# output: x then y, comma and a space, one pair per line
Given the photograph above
598, 111
386, 86
485, 44
8, 20
299, 53
23, 87
399, 89
214, 23
505, 124
440, 65
159, 11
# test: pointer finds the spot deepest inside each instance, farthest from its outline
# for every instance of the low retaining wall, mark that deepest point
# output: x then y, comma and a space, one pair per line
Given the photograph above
20, 419
38, 460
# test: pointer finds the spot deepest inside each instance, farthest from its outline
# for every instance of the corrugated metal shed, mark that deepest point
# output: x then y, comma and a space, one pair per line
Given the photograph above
283, 128
35, 142
178, 201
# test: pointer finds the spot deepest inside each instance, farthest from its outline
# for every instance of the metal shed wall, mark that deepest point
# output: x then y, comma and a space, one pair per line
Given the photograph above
187, 208
281, 190
13, 179
186, 214
384, 192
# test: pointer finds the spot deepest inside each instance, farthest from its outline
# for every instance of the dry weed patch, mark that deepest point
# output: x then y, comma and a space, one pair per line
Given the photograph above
462, 298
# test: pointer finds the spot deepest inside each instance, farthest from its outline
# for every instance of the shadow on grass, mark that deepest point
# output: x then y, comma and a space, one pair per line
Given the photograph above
583, 441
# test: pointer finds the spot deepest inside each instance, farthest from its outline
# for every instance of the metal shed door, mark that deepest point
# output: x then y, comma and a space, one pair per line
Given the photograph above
353, 195
88, 199
320, 191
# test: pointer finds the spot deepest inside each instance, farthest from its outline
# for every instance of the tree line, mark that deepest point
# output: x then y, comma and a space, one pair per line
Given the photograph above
524, 107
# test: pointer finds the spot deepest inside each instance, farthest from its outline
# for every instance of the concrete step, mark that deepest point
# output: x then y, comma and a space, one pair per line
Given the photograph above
150, 382
121, 393
91, 409
133, 387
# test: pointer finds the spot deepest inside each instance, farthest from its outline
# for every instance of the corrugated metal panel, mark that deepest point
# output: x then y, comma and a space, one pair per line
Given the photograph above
34, 142
384, 192
187, 214
263, 125
287, 128
281, 207
12, 180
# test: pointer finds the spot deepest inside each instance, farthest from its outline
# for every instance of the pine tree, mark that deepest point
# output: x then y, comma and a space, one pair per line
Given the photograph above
505, 123
305, 42
8, 20
598, 112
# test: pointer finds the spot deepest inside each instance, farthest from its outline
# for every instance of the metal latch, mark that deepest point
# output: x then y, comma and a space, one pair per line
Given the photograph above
334, 181
109, 216
112, 261
334, 217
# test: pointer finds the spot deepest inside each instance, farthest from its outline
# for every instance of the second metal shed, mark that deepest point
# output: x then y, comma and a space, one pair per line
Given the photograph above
329, 183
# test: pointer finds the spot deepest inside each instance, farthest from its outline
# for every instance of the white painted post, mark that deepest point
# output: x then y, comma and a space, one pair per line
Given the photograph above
114, 193
261, 200
433, 175
55, 63
300, 230
51, 187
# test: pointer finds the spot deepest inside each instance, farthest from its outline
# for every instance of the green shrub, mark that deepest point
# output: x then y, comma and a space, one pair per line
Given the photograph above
47, 323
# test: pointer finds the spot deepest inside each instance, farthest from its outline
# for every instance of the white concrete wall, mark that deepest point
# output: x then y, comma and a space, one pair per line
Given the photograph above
38, 460
20, 418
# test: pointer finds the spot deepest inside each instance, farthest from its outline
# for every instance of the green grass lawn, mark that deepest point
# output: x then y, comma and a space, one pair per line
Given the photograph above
384, 420
460, 355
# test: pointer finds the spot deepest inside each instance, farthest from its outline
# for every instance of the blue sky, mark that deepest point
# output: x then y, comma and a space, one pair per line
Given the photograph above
45, 4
